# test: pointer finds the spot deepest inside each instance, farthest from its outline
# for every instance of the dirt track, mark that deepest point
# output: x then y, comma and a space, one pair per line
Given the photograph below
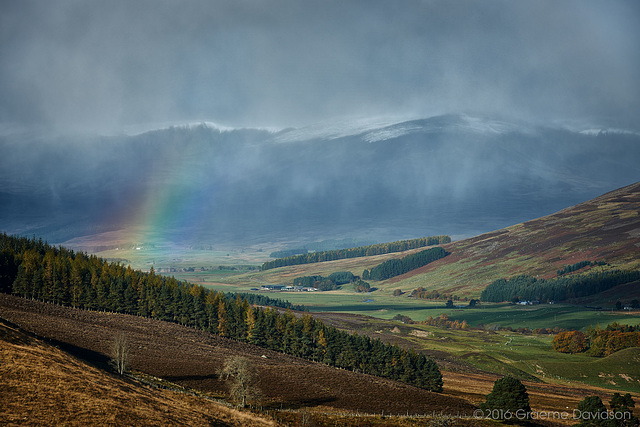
192, 358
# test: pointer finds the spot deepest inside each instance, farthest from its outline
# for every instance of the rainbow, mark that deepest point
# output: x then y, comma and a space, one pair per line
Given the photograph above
176, 196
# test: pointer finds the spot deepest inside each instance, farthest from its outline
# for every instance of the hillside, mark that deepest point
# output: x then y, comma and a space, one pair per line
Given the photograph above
293, 388
606, 229
192, 358
44, 385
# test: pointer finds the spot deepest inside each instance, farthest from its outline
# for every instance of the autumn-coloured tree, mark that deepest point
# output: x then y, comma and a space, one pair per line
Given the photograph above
570, 342
614, 338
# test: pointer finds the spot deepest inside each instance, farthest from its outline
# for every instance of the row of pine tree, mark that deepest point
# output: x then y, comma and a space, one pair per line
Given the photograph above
559, 289
361, 251
396, 267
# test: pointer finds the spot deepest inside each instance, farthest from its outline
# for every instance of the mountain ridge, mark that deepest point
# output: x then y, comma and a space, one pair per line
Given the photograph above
455, 174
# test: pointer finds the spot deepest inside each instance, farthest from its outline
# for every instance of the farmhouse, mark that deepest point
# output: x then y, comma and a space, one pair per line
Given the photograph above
273, 287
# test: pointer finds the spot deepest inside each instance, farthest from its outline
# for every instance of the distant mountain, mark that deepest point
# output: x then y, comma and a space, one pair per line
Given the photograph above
378, 180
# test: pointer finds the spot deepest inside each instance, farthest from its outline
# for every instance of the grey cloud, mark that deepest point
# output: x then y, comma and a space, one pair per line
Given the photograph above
108, 64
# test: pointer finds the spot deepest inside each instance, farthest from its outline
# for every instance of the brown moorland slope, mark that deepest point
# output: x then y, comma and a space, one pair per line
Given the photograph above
606, 228
43, 385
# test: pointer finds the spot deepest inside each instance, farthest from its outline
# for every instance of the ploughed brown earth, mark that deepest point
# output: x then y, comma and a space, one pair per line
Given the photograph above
192, 358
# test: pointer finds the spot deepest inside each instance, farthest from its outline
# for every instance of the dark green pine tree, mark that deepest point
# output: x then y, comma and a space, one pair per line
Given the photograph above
509, 397
130, 300
8, 270
590, 410
622, 406
199, 314
620, 402
258, 332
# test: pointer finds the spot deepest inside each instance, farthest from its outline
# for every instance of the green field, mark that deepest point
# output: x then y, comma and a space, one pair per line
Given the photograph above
143, 257
527, 356
382, 304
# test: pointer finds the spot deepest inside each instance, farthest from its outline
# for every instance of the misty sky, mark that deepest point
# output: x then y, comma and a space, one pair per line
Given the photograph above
107, 65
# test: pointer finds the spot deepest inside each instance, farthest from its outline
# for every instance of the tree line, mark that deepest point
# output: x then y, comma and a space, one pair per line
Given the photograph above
284, 253
333, 281
361, 251
396, 267
577, 266
422, 293
265, 301
559, 289
598, 342
33, 269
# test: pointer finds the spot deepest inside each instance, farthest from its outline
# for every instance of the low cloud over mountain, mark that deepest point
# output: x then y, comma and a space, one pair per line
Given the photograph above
380, 180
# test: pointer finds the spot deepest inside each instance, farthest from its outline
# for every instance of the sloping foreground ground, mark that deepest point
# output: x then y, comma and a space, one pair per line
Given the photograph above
192, 358
43, 385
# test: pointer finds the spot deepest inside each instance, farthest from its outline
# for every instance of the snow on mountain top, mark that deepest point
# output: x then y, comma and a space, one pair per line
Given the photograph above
372, 129
446, 123
391, 132
606, 131
477, 124
334, 129
151, 127
192, 124
382, 129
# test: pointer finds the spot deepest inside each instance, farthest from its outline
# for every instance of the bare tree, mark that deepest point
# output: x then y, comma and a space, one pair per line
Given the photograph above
120, 353
244, 379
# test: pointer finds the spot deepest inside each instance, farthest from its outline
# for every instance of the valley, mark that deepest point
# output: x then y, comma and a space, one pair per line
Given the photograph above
472, 344
319, 213
603, 229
